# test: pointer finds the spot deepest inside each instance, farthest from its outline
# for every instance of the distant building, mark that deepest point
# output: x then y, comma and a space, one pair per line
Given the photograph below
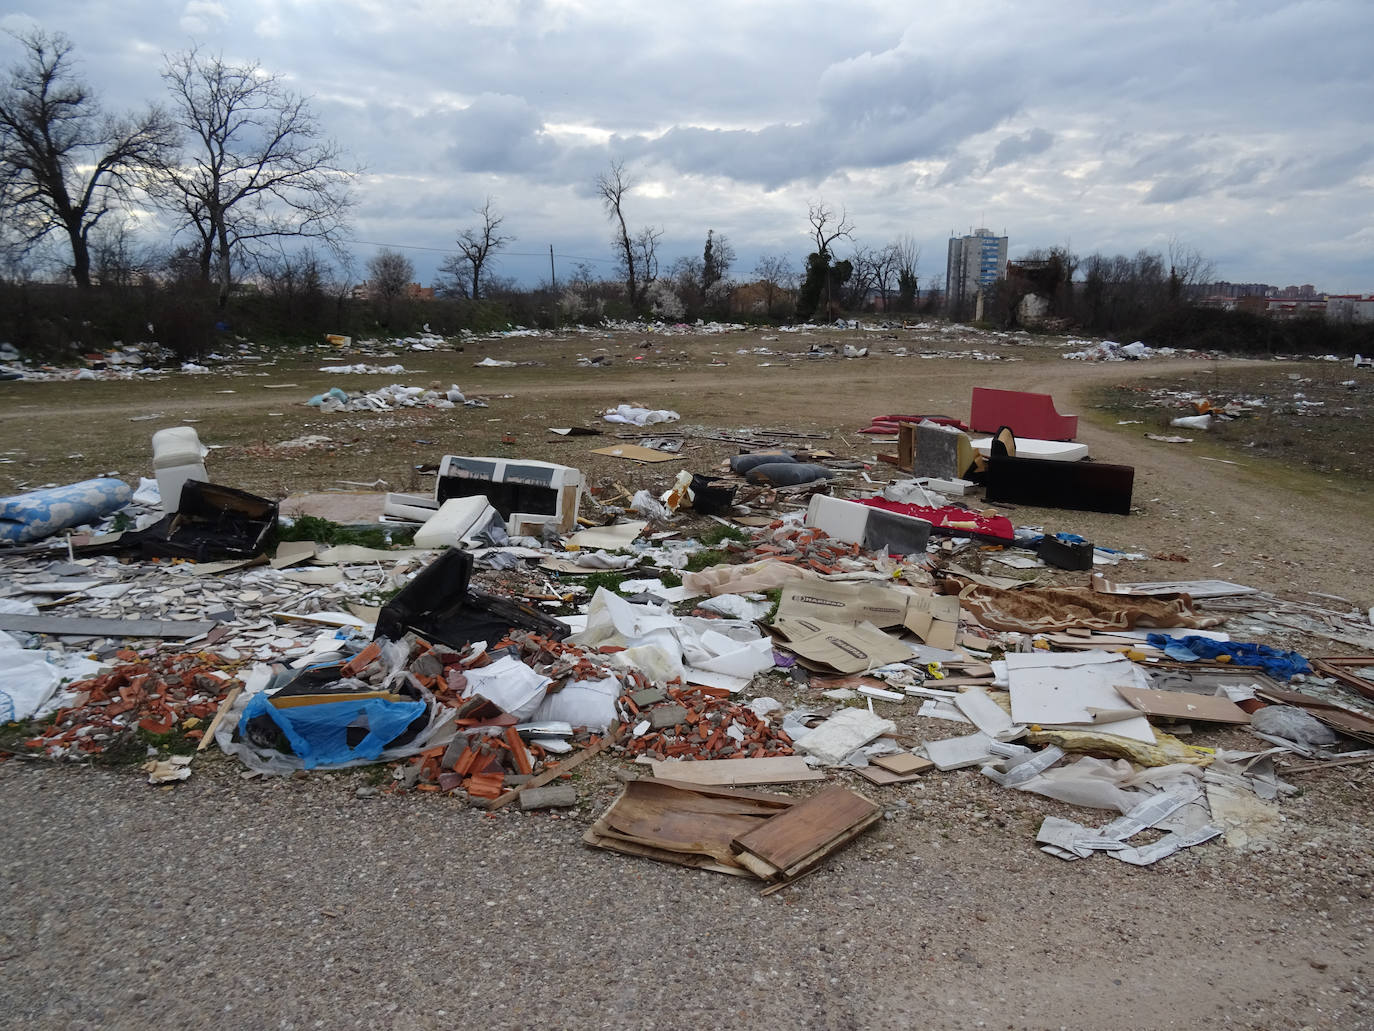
975, 263
1350, 307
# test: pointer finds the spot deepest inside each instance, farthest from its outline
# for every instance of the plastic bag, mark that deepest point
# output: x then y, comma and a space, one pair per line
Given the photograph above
320, 734
1293, 724
510, 684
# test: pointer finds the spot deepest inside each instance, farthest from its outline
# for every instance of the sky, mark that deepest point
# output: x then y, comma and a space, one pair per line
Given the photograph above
1240, 129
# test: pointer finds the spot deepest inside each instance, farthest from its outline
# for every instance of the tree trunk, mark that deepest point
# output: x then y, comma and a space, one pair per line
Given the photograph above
224, 277
81, 256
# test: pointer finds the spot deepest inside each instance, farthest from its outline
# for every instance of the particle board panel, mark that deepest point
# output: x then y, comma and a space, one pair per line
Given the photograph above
797, 835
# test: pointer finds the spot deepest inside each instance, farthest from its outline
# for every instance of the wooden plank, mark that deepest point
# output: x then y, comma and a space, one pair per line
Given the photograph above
834, 844
796, 834
554, 772
906, 446
883, 778
1342, 668
688, 824
1354, 760
904, 763
779, 769
225, 705
87, 626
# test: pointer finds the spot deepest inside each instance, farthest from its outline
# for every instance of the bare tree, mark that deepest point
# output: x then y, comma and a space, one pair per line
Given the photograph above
716, 259
826, 228
389, 275
478, 245
867, 266
775, 274
260, 168
1189, 271
636, 254
646, 254
116, 258
906, 253
63, 164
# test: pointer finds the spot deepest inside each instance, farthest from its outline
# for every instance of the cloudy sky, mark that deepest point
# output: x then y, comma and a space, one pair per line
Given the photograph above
1240, 128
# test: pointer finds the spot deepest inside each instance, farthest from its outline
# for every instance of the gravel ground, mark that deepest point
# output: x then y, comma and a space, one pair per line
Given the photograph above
294, 903
230, 903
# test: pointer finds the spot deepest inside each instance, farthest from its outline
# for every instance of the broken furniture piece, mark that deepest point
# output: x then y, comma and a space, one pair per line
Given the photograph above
1028, 415
439, 606
1080, 486
1031, 447
211, 522
871, 528
529, 495
931, 449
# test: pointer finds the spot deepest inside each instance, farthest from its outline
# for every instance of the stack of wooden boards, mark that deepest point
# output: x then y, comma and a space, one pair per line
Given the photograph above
773, 838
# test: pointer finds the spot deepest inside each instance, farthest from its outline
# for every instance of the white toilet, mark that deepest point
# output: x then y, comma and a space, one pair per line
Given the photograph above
178, 456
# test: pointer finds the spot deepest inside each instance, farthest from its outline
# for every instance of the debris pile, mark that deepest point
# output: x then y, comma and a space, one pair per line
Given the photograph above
887, 628
157, 694
697, 723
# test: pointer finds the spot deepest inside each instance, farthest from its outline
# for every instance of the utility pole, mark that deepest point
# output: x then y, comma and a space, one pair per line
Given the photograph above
553, 286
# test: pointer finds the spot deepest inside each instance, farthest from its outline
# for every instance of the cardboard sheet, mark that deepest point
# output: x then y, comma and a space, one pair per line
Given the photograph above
608, 538
934, 618
635, 453
837, 647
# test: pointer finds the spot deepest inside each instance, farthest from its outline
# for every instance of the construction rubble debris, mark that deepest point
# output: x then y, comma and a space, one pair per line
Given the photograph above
780, 619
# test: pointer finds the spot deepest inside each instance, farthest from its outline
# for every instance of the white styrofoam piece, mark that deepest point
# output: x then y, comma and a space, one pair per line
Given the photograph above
955, 753
840, 519
455, 518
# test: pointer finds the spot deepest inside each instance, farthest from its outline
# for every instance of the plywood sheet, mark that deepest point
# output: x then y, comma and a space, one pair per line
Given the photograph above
809, 827
779, 769
1182, 705
684, 823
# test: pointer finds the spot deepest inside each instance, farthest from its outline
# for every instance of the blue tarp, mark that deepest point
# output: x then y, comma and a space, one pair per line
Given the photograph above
1274, 661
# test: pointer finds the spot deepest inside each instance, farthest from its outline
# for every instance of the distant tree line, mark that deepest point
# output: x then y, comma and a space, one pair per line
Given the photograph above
255, 200
1152, 296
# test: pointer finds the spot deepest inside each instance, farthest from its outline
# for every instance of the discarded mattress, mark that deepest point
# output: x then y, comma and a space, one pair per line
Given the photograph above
41, 513
1030, 447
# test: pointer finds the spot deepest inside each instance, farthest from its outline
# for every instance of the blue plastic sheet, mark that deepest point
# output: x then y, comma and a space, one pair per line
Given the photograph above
319, 733
1274, 661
